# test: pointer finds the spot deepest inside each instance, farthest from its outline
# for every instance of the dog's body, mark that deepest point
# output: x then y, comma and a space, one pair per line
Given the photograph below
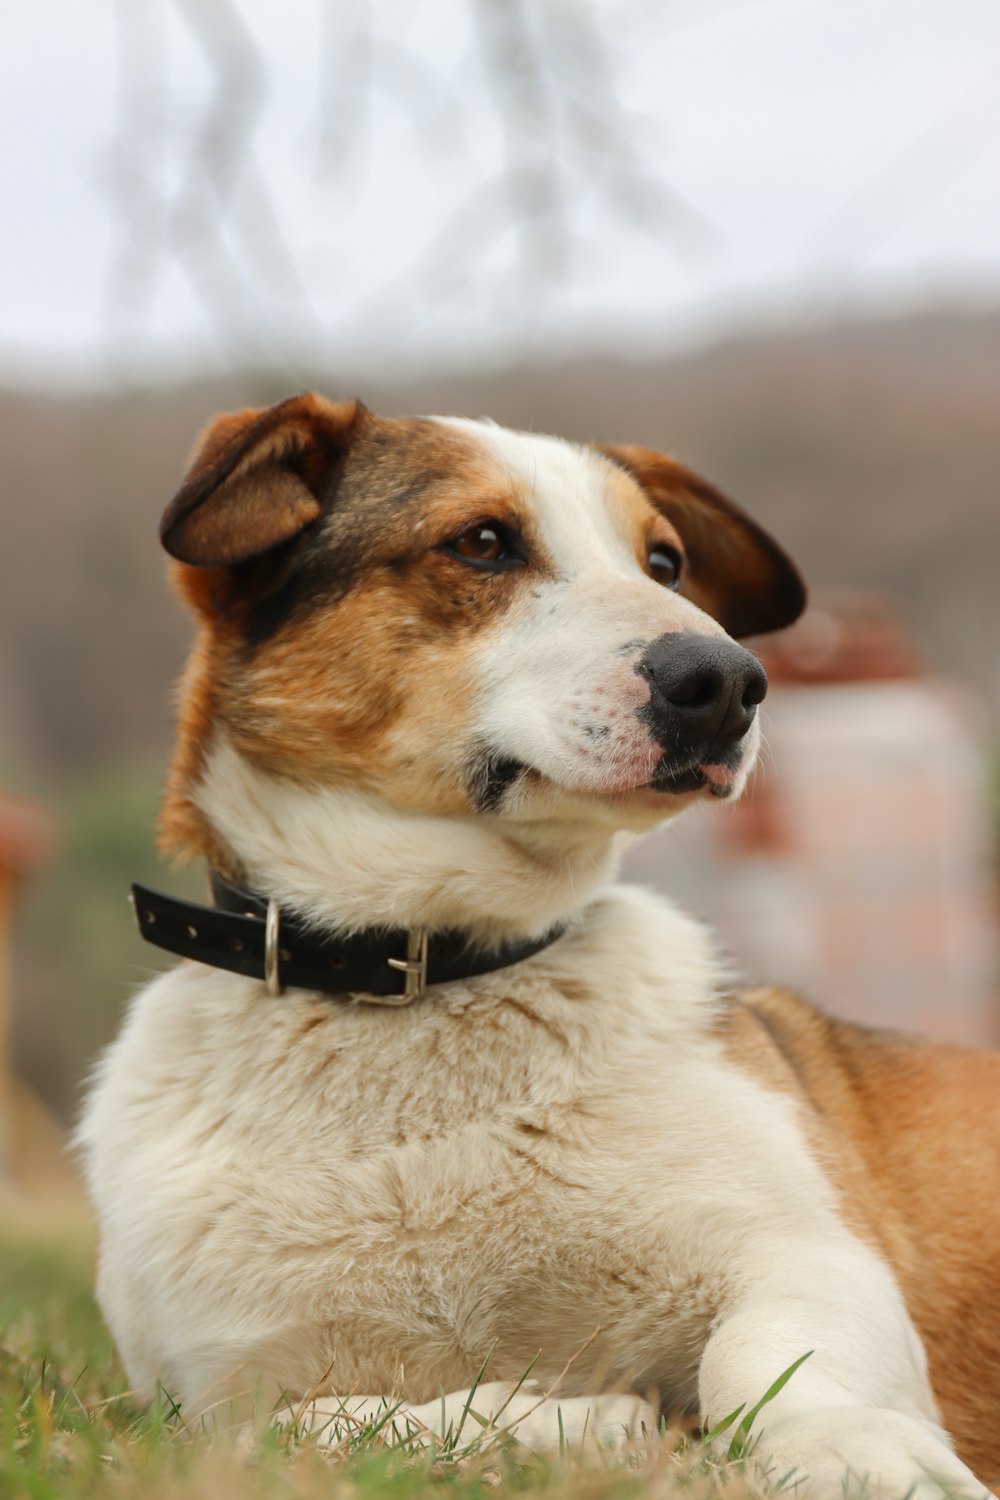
436, 676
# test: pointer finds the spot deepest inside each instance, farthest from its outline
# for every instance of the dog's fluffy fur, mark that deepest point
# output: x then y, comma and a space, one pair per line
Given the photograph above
604, 1136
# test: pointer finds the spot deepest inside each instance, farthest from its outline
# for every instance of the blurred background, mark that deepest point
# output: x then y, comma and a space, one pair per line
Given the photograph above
761, 234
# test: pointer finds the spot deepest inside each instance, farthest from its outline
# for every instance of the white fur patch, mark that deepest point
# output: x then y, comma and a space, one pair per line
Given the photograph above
351, 861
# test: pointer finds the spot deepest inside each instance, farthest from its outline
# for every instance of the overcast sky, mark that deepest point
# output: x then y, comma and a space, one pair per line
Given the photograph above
806, 155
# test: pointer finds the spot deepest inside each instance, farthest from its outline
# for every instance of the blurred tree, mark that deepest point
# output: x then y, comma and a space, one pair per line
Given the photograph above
565, 157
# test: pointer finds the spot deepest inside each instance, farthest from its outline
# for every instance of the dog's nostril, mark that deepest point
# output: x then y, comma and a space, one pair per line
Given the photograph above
756, 688
697, 690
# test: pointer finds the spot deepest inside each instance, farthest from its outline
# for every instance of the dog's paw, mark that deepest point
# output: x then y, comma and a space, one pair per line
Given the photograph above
499, 1409
875, 1454
546, 1424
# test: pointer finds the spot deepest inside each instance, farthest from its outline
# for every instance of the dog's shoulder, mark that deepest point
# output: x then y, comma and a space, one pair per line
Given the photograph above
849, 1072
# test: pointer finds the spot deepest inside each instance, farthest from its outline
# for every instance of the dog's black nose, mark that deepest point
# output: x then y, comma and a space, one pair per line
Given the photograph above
703, 692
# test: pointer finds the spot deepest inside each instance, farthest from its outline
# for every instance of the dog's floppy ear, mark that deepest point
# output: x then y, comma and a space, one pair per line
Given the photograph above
257, 480
735, 571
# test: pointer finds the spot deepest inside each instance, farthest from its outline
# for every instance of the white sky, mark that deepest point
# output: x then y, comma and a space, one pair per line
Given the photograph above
833, 153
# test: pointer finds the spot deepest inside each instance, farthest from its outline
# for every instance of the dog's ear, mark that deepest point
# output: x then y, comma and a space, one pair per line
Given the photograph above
735, 571
257, 480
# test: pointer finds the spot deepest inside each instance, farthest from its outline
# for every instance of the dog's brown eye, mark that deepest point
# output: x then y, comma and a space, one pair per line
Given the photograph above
664, 565
488, 544
480, 544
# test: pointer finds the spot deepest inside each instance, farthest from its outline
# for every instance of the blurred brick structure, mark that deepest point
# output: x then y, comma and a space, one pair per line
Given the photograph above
25, 842
859, 866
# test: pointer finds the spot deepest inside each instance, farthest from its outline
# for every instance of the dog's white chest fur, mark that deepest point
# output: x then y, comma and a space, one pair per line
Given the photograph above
557, 1148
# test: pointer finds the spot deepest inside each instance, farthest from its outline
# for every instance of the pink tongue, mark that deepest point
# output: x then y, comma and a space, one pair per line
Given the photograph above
720, 775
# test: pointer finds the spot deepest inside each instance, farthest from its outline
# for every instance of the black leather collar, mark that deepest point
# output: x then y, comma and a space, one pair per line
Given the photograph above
247, 934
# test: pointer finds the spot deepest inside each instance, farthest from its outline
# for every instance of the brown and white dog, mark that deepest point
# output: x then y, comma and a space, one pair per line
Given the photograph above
442, 669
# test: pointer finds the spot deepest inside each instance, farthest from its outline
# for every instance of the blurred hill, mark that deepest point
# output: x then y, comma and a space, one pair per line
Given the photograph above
872, 450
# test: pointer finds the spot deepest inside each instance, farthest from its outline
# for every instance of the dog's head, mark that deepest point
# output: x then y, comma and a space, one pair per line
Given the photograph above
461, 619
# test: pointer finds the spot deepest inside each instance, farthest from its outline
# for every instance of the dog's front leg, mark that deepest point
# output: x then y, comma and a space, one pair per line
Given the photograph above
859, 1409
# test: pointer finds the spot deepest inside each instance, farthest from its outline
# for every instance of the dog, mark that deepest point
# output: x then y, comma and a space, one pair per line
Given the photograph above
429, 1087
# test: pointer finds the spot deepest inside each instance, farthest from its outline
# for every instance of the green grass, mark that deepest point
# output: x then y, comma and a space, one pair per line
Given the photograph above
69, 1427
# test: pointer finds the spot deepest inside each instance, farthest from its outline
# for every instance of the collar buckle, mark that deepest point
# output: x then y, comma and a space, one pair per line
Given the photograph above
272, 933
414, 965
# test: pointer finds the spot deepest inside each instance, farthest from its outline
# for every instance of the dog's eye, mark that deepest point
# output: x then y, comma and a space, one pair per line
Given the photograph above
488, 544
664, 565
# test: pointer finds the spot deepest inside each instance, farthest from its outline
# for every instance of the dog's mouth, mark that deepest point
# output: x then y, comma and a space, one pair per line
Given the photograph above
717, 778
496, 776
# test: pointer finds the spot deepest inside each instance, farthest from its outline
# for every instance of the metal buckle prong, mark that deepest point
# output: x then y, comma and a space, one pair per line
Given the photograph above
272, 932
414, 965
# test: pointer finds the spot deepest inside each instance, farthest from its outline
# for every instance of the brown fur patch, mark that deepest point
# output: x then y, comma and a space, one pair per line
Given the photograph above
184, 832
645, 525
910, 1133
343, 658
